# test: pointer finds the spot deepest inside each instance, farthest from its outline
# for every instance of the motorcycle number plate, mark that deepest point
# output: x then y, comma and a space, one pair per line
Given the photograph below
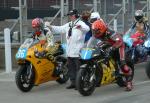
22, 53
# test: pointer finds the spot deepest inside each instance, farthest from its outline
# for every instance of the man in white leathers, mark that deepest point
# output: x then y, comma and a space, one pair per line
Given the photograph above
75, 31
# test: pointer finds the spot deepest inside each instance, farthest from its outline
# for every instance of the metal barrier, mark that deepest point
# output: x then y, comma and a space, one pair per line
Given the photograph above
8, 61
115, 15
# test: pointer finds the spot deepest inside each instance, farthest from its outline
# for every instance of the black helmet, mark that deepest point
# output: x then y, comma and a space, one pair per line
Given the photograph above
139, 15
74, 12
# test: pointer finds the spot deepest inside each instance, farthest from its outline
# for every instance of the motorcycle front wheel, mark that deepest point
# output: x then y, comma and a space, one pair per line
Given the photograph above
84, 82
63, 76
25, 77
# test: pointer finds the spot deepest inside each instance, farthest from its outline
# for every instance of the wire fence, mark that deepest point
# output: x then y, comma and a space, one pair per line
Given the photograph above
108, 9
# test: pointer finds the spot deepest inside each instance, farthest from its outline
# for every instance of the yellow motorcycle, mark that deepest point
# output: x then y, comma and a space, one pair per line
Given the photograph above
34, 71
99, 68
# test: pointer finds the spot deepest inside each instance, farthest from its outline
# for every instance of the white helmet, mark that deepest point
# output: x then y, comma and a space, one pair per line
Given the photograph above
95, 15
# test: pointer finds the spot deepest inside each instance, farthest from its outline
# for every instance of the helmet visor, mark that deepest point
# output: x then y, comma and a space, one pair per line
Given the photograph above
138, 18
92, 20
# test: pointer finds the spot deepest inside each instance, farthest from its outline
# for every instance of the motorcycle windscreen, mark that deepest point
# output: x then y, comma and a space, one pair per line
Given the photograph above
127, 37
147, 43
86, 53
128, 40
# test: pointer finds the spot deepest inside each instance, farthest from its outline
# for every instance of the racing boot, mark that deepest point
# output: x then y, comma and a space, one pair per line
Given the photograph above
127, 74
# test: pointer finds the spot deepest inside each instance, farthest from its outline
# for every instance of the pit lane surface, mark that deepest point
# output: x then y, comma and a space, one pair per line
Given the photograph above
52, 92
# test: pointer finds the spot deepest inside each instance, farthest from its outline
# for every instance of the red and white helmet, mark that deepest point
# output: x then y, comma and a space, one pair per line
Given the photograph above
37, 22
94, 16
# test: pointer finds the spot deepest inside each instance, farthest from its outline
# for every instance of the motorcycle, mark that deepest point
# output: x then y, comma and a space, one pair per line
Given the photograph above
99, 68
34, 70
138, 54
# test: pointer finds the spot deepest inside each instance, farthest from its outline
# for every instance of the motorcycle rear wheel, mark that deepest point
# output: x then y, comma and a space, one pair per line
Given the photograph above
63, 76
83, 84
23, 82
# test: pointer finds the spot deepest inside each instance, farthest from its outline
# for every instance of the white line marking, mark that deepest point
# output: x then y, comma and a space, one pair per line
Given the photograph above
7, 80
4, 73
7, 77
143, 82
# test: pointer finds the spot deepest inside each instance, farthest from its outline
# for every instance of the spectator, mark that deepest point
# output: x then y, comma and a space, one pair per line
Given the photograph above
85, 17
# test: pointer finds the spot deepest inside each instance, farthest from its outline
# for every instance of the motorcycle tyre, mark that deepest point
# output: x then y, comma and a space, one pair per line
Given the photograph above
22, 69
79, 84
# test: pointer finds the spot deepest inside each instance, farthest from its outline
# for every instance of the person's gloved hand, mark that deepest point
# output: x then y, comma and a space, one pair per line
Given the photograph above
43, 53
50, 57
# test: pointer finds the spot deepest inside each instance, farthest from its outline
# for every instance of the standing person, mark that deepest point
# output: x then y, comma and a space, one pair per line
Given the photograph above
106, 35
86, 19
75, 31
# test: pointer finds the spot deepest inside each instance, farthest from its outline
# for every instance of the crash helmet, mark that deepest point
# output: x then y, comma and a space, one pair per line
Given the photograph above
94, 16
37, 23
138, 15
74, 12
99, 28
